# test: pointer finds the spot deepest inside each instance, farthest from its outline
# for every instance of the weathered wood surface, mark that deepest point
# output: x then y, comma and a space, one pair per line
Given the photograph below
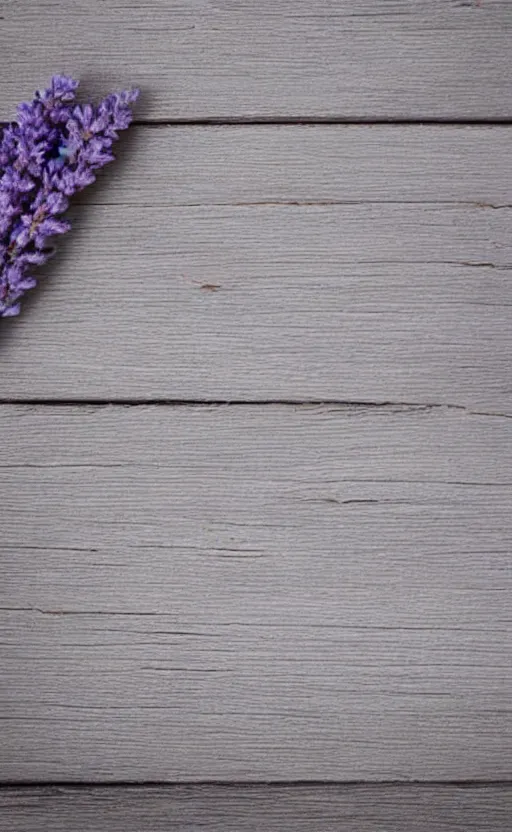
266, 592
350, 59
255, 808
343, 263
255, 593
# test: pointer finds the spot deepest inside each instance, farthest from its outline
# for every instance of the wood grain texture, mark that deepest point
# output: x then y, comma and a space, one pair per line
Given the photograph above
362, 264
255, 593
349, 59
250, 809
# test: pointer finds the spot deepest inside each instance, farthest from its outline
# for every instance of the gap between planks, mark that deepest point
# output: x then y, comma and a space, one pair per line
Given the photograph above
249, 785
349, 406
324, 122
315, 120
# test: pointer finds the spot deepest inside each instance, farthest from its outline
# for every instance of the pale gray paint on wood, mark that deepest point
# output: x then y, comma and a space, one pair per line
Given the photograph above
240, 59
367, 273
254, 593
254, 809
313, 163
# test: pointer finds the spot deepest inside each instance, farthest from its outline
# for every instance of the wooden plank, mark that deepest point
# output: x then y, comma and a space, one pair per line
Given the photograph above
255, 593
187, 166
365, 808
363, 264
348, 59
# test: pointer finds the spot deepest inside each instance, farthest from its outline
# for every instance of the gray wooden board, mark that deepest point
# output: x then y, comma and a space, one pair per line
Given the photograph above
346, 263
255, 593
351, 59
365, 808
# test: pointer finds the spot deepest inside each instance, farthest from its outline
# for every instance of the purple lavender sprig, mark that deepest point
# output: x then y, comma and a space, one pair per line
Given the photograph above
49, 154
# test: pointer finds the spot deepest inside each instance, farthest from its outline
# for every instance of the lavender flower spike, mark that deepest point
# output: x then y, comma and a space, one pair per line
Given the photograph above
49, 154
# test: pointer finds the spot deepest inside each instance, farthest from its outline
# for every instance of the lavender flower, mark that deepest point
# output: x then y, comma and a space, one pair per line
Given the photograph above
49, 154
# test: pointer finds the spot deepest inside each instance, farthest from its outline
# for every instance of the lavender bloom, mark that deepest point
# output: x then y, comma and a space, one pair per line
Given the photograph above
49, 154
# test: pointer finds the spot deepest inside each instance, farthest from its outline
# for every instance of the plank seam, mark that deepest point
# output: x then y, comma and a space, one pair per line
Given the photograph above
324, 122
49, 402
77, 785
198, 403
273, 121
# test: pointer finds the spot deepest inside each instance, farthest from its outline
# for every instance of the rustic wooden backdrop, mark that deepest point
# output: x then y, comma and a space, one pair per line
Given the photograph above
256, 457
